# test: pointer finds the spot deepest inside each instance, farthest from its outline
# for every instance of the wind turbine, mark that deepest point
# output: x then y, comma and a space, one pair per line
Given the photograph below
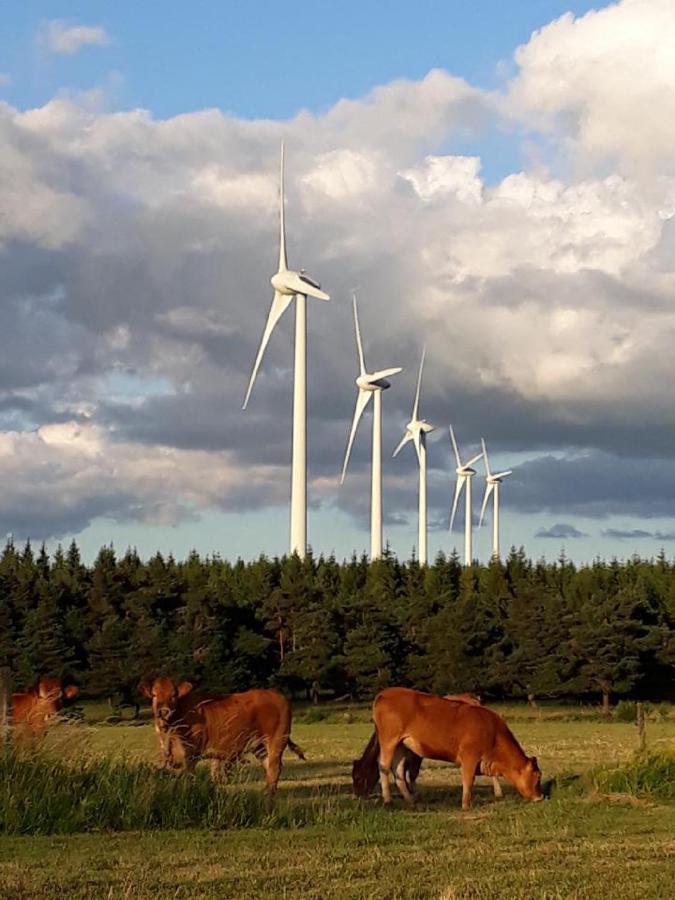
370, 385
288, 285
416, 430
492, 483
464, 475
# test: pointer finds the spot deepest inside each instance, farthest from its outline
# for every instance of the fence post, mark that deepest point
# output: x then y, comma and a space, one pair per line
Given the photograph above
5, 705
640, 722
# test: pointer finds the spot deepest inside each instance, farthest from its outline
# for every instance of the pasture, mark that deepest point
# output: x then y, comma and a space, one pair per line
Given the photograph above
318, 842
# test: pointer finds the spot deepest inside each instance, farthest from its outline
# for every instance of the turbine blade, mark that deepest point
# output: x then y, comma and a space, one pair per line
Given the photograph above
361, 402
504, 474
488, 490
417, 440
359, 345
474, 459
283, 261
404, 440
415, 413
458, 490
454, 447
278, 308
295, 282
485, 457
383, 373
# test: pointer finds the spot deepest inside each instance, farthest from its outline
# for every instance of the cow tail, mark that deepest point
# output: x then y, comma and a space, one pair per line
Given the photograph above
295, 749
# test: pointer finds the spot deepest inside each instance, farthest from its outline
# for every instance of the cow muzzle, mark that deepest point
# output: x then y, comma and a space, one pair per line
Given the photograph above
164, 714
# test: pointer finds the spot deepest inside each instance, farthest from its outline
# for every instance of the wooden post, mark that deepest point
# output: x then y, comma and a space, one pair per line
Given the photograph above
642, 731
5, 705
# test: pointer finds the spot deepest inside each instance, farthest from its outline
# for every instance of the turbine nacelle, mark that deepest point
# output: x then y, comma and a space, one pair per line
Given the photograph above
419, 426
291, 283
465, 472
376, 381
499, 477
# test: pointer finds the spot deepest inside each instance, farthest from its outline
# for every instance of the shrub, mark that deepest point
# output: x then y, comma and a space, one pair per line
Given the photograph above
663, 710
650, 775
625, 711
312, 715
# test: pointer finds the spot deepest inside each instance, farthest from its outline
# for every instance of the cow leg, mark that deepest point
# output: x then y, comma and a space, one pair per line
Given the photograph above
399, 767
272, 764
469, 767
496, 786
385, 763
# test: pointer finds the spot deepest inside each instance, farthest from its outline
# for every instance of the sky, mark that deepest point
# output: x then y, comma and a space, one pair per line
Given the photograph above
496, 181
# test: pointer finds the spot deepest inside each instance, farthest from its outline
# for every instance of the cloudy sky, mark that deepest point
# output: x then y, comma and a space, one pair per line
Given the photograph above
497, 182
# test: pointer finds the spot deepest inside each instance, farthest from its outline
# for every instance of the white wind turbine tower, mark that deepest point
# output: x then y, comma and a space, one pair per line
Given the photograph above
288, 285
416, 430
370, 385
492, 483
464, 475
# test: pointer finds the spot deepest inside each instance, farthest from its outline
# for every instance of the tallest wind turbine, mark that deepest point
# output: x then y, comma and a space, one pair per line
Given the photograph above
288, 285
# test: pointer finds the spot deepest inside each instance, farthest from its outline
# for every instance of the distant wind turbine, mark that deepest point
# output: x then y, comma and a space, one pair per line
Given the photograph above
416, 431
464, 475
370, 385
492, 483
288, 285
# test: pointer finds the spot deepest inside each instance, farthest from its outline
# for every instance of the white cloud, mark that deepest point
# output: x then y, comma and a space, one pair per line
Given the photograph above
61, 476
604, 82
69, 39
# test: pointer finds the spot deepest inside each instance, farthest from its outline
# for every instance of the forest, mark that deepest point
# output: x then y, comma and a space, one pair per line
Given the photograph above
516, 629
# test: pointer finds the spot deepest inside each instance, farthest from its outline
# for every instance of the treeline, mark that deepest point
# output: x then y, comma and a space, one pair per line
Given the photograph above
508, 629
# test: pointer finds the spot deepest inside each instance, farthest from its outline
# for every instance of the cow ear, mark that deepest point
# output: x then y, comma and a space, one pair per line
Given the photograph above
184, 688
145, 689
71, 691
535, 765
42, 690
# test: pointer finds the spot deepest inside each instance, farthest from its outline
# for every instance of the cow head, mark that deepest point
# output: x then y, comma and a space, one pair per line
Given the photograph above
49, 689
360, 779
165, 694
528, 780
51, 696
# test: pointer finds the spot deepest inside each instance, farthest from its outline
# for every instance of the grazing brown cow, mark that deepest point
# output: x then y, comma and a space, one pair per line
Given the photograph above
475, 738
191, 726
31, 709
365, 771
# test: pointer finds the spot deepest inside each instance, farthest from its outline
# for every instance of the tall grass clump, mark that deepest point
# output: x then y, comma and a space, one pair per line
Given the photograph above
43, 795
648, 775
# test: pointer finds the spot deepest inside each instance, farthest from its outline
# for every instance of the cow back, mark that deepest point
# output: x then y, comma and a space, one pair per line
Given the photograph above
443, 728
245, 722
227, 727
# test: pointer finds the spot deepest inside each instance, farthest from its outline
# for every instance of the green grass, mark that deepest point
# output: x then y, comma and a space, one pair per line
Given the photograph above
611, 837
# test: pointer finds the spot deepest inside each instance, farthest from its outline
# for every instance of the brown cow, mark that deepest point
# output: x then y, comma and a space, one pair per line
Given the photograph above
365, 771
32, 709
191, 726
475, 738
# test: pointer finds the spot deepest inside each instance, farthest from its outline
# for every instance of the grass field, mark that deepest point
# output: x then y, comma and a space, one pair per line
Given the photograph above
579, 843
